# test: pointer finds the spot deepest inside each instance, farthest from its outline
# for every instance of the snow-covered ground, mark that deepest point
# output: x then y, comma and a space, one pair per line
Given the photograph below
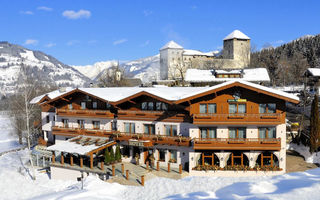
16, 184
304, 151
7, 139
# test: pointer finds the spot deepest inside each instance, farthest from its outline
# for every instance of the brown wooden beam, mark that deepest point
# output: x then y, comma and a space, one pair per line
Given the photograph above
81, 161
53, 158
91, 161
62, 159
71, 159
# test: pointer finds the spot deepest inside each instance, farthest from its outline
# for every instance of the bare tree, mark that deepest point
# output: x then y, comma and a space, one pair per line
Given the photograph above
113, 77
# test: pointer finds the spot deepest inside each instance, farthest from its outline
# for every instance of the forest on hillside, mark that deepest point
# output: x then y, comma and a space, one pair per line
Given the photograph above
287, 63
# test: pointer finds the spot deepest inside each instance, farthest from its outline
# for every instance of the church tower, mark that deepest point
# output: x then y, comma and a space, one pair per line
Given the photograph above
236, 46
170, 57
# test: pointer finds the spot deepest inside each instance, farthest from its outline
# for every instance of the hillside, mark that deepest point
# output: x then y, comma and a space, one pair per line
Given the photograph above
41, 65
92, 71
287, 62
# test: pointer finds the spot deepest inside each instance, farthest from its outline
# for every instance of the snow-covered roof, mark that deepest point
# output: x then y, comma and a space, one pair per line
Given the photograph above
116, 94
191, 52
257, 86
254, 75
236, 34
314, 71
172, 45
52, 94
81, 145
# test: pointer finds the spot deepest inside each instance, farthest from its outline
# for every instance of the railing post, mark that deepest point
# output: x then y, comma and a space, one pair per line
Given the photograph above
113, 170
71, 160
180, 169
102, 165
142, 180
62, 158
147, 165
81, 161
53, 158
158, 168
168, 167
122, 168
127, 174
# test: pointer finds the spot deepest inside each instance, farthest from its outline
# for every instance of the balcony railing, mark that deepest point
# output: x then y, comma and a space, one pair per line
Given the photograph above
86, 113
155, 139
153, 115
262, 118
78, 131
237, 144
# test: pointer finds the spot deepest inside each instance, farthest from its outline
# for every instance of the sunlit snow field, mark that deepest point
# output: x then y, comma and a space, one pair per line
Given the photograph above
16, 184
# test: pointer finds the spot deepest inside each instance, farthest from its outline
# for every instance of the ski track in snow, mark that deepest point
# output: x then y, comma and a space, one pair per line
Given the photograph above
17, 184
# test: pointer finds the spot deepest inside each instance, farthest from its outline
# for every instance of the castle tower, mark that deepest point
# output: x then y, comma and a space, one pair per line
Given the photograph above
236, 46
170, 57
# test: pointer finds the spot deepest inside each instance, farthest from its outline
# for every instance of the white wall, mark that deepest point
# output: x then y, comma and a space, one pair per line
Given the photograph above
105, 124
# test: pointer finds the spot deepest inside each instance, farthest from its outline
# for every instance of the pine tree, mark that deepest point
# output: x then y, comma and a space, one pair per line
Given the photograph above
118, 154
112, 157
314, 124
107, 156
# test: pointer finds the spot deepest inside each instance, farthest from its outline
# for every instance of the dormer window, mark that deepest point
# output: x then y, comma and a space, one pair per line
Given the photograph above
94, 105
83, 105
208, 108
70, 106
154, 106
237, 108
267, 108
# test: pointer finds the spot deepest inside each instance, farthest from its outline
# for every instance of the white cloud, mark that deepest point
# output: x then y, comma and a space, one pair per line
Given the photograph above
73, 42
49, 45
44, 8
120, 41
147, 12
31, 42
146, 43
71, 14
28, 12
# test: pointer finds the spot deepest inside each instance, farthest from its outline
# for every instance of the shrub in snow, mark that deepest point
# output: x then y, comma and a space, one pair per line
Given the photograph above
118, 154
112, 157
106, 156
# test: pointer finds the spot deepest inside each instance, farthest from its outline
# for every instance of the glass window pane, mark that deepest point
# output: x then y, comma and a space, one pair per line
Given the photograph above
150, 105
133, 129
167, 130
232, 133
153, 130
271, 108
174, 131
146, 129
173, 155
212, 133
262, 108
232, 108
242, 108
164, 106
127, 127
262, 133
158, 105
83, 105
203, 108
272, 132
203, 133
70, 106
212, 108
242, 133
144, 106
94, 105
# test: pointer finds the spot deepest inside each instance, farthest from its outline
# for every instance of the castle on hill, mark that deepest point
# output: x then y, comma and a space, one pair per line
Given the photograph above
175, 60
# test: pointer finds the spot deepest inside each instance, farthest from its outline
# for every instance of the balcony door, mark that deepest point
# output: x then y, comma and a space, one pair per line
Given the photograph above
149, 129
208, 132
81, 123
237, 133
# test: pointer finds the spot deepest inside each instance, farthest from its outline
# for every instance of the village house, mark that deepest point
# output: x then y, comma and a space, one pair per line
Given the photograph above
236, 128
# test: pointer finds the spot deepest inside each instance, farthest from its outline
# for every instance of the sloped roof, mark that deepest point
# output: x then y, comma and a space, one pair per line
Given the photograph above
172, 45
52, 94
313, 71
200, 76
236, 34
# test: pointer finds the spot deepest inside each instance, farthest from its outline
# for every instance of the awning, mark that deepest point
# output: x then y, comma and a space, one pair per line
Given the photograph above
82, 145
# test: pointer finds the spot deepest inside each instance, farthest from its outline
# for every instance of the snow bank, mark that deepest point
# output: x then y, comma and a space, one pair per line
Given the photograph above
304, 151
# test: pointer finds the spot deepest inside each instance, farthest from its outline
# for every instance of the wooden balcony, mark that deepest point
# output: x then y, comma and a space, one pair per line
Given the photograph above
149, 115
273, 144
85, 113
77, 131
154, 139
257, 119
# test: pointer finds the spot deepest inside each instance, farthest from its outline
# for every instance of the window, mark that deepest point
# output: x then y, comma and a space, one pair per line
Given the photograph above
70, 106
238, 158
94, 105
65, 123
171, 130
81, 123
129, 127
144, 106
173, 156
48, 118
149, 129
209, 158
162, 155
108, 106
237, 108
267, 132
96, 124
210, 132
267, 159
237, 132
267, 108
208, 108
114, 125
83, 105
150, 105
159, 106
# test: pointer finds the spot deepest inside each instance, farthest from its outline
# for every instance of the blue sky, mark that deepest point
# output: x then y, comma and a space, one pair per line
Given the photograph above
86, 31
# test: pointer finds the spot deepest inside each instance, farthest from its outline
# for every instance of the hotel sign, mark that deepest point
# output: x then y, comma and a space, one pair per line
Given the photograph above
237, 100
135, 143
